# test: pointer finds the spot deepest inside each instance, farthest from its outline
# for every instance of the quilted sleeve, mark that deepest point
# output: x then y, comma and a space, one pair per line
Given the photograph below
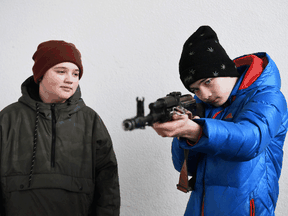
262, 118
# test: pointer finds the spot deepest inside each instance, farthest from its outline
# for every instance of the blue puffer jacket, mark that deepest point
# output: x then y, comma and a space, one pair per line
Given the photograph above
239, 155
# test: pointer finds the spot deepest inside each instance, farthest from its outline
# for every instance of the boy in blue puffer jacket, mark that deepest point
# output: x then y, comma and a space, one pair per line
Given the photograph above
236, 149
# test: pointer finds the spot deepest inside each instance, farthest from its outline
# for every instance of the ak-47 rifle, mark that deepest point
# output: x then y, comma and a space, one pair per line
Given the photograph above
161, 110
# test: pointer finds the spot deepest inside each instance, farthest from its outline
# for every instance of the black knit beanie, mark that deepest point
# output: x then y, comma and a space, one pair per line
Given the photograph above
203, 57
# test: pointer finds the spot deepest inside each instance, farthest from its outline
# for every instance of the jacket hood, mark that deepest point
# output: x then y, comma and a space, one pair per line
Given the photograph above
258, 70
30, 97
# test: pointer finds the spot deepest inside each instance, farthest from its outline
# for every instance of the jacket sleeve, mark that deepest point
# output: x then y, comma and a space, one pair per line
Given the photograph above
107, 192
178, 156
258, 122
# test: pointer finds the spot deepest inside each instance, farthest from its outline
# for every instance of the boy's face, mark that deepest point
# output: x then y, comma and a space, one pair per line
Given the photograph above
214, 91
59, 83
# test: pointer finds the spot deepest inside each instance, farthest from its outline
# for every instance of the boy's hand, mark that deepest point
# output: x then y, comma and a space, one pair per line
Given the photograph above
179, 126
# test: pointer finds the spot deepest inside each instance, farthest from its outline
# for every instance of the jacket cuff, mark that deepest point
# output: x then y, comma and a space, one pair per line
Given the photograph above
191, 143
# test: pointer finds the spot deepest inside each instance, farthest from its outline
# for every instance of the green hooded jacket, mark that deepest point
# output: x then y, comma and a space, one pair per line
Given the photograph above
56, 159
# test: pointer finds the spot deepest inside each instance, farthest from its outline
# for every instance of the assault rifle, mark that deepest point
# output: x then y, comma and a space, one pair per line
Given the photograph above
161, 111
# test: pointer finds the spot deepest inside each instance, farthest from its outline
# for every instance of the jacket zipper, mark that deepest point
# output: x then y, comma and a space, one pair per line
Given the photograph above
53, 135
252, 207
202, 208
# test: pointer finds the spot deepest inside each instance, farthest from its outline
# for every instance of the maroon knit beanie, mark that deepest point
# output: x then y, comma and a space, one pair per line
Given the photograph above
53, 52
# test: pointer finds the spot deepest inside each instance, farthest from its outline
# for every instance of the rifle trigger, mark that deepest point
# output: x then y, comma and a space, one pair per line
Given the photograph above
178, 110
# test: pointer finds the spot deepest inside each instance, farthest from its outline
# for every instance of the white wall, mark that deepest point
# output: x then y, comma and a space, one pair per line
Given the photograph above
131, 48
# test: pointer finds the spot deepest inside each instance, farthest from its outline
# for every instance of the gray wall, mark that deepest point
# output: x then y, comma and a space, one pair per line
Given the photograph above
132, 48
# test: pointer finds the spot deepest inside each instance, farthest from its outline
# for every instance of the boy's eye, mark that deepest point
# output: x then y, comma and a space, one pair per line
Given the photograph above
208, 81
193, 90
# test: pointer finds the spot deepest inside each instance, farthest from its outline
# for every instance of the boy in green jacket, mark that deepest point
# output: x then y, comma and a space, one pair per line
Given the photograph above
56, 154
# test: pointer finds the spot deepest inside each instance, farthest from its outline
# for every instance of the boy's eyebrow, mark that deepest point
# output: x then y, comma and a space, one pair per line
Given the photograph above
200, 82
60, 67
65, 68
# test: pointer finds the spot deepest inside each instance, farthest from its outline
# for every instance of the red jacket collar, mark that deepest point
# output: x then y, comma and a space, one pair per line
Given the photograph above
256, 66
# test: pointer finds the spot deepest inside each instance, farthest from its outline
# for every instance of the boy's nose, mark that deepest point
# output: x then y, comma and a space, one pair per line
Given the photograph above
205, 94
